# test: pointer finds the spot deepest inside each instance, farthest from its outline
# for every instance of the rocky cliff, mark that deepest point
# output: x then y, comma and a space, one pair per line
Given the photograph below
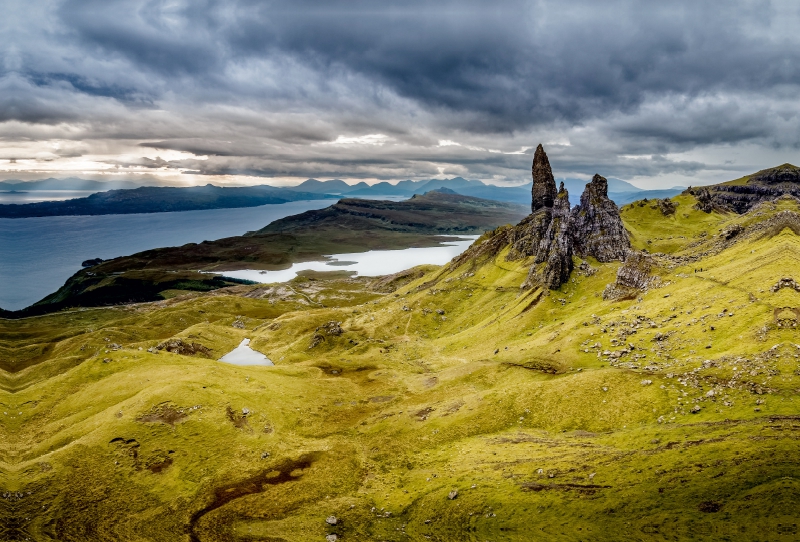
742, 195
555, 247
597, 228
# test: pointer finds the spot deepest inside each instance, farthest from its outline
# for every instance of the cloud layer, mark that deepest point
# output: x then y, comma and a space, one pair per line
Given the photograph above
680, 93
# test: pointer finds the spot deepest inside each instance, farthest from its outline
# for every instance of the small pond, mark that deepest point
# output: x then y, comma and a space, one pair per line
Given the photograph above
244, 355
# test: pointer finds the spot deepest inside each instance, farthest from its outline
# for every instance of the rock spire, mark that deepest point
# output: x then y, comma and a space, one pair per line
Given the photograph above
543, 193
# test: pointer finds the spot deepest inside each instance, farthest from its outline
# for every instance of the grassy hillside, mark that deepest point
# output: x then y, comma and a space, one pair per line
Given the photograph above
450, 407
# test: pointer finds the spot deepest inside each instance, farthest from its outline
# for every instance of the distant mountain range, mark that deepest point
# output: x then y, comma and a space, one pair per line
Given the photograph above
621, 192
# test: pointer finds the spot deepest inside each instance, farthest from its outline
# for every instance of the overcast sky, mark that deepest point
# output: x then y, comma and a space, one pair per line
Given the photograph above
244, 92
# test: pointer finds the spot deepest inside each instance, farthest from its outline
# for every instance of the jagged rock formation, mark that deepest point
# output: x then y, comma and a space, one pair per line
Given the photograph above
555, 247
597, 228
553, 232
543, 193
738, 197
633, 277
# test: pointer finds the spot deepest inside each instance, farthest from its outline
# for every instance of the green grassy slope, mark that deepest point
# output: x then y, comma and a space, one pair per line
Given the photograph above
551, 415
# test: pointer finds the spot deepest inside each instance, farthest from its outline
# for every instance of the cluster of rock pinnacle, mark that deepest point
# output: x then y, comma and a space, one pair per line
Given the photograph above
554, 232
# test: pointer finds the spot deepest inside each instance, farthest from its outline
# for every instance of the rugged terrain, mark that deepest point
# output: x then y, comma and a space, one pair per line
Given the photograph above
647, 395
350, 225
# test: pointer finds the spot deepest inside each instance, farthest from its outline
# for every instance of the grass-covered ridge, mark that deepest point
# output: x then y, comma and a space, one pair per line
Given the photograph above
545, 415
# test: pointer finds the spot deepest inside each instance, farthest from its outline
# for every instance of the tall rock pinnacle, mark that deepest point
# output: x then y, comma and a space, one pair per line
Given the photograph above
543, 192
597, 226
555, 248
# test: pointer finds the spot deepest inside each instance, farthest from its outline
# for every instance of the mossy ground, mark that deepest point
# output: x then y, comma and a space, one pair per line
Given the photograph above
525, 404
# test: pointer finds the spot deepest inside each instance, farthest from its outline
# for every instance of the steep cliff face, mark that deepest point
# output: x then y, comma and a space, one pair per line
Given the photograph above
765, 185
597, 228
526, 236
555, 247
543, 192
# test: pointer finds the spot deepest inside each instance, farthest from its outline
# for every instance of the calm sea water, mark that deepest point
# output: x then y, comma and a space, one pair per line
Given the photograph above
33, 196
38, 254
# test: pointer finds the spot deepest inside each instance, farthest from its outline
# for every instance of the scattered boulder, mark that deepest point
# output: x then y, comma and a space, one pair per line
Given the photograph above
331, 520
452, 495
316, 339
732, 231
666, 206
710, 506
331, 328
786, 282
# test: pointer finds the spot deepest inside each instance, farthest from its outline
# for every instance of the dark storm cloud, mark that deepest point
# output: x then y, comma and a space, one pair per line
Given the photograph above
262, 87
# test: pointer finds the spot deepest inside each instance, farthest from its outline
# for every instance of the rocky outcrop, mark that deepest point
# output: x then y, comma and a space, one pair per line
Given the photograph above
553, 232
666, 206
185, 348
597, 227
633, 277
543, 193
765, 185
555, 247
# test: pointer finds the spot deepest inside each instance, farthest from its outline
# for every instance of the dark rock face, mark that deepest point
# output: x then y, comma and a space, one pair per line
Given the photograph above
555, 247
543, 192
526, 236
783, 174
765, 185
597, 228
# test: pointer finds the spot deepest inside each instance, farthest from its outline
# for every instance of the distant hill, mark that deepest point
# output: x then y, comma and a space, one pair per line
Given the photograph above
152, 199
440, 211
72, 183
618, 190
